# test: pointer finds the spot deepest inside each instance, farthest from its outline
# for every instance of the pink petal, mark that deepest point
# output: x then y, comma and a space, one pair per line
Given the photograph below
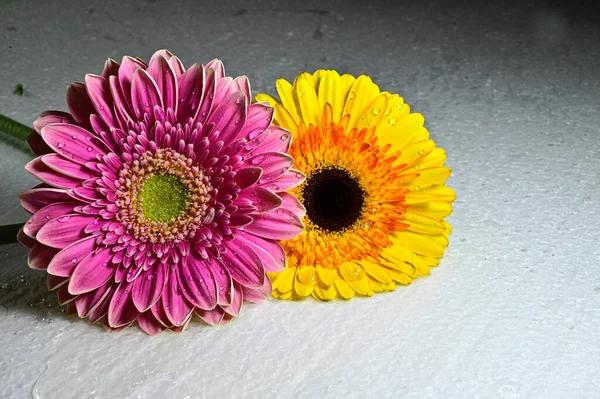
247, 176
63, 295
287, 181
74, 142
79, 103
218, 67
271, 253
121, 103
40, 256
67, 168
40, 170
229, 116
111, 68
292, 204
244, 86
44, 215
259, 118
165, 78
263, 199
149, 324
258, 295
183, 326
197, 283
239, 220
223, 281
101, 308
177, 66
148, 287
278, 140
208, 96
166, 54
212, 317
37, 144
176, 306
273, 164
144, 94
55, 282
99, 91
243, 264
87, 303
64, 230
190, 92
238, 299
158, 311
92, 272
128, 67
25, 239
35, 199
226, 87
279, 225
121, 311
50, 117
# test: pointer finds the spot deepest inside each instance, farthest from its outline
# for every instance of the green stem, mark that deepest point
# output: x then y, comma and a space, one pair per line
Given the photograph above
8, 233
14, 128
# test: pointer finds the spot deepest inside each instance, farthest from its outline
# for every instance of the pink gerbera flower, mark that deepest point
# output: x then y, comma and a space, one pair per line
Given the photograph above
162, 195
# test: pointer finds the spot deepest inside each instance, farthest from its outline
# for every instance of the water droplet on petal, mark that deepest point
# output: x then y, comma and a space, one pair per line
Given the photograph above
73, 136
89, 149
74, 260
61, 145
63, 219
284, 136
376, 111
393, 120
351, 95
421, 151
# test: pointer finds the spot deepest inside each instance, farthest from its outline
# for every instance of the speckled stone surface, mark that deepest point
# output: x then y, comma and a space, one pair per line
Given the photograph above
511, 91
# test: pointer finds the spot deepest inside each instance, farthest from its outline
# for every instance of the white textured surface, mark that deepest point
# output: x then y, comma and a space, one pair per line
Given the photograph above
512, 92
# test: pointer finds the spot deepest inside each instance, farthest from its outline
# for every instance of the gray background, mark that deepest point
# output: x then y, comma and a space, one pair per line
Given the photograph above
511, 90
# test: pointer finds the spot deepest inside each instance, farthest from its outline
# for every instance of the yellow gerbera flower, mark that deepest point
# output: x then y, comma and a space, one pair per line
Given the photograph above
374, 199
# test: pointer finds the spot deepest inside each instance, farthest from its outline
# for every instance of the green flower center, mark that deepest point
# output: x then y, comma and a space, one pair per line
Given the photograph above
163, 198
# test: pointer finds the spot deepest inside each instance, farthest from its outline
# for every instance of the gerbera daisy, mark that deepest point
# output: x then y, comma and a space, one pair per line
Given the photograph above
158, 195
374, 194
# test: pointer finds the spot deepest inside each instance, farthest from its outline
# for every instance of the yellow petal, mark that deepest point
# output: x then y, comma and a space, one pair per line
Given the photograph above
324, 293
265, 98
399, 257
419, 243
396, 109
318, 76
302, 289
373, 112
344, 289
288, 98
381, 287
327, 276
361, 287
414, 152
307, 99
400, 278
435, 193
307, 275
285, 119
361, 94
428, 177
351, 271
436, 157
403, 132
284, 280
332, 92
377, 272
437, 210
424, 224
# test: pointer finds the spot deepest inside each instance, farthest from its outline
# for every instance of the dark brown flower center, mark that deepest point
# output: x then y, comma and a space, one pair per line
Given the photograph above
333, 199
